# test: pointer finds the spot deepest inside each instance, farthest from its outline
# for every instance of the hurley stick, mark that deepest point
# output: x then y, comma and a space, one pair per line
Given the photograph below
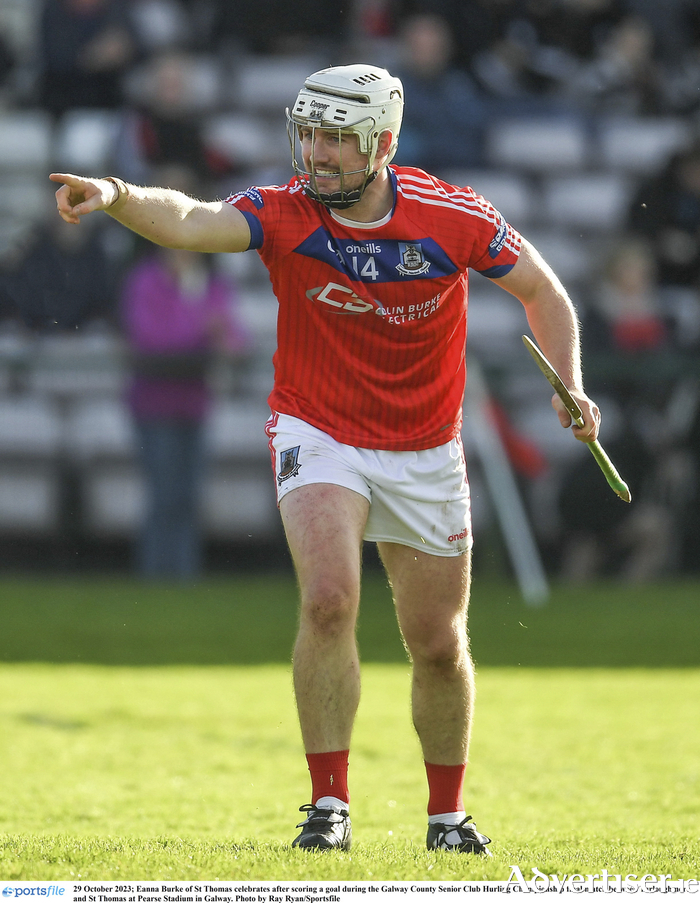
611, 475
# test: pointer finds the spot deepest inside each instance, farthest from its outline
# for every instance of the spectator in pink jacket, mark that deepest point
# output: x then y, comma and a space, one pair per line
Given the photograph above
178, 314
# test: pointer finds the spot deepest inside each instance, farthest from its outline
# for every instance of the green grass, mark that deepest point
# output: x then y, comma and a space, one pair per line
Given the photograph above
251, 620
150, 733
182, 772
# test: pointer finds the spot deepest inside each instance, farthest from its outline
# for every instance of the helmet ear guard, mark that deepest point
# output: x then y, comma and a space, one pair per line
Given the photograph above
361, 100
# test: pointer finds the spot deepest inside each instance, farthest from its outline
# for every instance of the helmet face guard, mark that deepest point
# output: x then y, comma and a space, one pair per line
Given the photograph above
341, 199
360, 100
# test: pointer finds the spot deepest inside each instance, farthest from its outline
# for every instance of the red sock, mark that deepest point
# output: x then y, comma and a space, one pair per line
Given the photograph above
329, 775
445, 787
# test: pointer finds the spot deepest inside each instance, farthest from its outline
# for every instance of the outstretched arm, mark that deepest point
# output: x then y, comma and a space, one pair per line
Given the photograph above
163, 216
554, 324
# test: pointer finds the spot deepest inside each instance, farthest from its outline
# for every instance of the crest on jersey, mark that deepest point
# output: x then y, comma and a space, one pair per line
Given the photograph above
413, 260
289, 464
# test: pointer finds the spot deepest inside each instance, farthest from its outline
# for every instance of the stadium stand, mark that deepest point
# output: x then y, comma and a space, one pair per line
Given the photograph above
562, 162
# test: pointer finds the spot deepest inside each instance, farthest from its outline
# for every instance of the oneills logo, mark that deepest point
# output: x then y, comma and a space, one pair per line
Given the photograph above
413, 262
455, 537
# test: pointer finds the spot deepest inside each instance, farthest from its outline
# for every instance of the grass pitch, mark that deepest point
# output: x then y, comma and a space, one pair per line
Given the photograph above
192, 768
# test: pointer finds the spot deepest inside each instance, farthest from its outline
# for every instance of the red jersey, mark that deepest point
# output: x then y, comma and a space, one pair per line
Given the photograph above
372, 319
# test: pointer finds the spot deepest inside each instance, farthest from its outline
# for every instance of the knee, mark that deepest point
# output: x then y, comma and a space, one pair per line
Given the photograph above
442, 648
329, 608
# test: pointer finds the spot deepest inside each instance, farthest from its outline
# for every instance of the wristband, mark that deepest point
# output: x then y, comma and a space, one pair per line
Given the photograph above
121, 196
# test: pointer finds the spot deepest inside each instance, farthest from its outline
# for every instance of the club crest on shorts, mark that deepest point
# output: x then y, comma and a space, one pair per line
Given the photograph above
413, 262
289, 464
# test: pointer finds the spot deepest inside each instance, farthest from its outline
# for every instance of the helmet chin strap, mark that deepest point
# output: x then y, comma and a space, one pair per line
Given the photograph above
341, 200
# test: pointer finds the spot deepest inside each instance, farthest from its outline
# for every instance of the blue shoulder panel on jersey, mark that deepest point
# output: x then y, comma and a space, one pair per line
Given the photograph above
257, 234
495, 272
378, 261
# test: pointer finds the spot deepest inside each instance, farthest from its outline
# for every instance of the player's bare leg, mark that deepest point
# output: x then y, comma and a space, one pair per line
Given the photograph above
431, 595
324, 526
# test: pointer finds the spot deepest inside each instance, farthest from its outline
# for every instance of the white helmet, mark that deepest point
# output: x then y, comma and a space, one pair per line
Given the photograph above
361, 99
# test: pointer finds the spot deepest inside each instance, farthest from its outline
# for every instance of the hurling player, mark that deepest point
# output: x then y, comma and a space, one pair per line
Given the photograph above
369, 263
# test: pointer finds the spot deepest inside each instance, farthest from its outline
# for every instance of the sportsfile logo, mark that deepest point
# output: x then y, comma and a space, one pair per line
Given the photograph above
43, 890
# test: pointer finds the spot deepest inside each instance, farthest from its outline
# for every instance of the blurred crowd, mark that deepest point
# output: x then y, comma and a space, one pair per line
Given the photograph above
636, 55
166, 68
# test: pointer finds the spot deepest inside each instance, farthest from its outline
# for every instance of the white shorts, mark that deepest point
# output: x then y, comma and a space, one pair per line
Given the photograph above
418, 499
